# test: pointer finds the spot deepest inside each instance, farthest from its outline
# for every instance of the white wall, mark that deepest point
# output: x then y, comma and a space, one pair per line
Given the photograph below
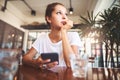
102, 5
10, 15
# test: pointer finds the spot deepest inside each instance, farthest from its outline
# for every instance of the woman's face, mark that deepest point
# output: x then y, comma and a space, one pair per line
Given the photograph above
58, 17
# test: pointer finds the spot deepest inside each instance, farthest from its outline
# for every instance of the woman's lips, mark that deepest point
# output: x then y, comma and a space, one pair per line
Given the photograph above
63, 22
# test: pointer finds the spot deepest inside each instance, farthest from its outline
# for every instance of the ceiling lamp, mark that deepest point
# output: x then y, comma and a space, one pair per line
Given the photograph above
4, 7
70, 9
33, 12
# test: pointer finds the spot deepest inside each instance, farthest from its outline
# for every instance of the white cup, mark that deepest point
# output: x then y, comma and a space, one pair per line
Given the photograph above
79, 65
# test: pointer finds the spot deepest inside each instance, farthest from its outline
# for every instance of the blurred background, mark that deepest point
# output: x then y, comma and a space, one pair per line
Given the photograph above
96, 21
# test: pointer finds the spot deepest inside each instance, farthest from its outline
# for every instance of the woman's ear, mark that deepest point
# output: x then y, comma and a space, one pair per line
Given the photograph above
48, 19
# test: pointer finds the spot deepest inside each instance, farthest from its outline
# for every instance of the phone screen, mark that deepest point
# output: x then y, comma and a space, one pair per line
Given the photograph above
52, 56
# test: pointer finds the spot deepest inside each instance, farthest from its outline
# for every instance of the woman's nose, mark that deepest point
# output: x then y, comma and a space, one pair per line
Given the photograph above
64, 16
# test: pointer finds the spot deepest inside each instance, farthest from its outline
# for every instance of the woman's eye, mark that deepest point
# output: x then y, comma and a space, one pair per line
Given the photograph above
58, 13
66, 14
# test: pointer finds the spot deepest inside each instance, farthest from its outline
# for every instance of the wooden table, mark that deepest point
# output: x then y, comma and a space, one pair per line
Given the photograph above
63, 73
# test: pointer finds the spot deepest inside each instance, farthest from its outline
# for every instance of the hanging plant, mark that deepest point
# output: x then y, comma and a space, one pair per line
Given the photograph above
88, 24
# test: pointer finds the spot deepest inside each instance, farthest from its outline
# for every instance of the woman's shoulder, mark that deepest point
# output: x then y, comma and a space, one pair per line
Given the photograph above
72, 33
43, 35
41, 38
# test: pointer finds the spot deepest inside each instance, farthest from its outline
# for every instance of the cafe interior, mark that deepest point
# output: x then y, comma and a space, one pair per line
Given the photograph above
96, 21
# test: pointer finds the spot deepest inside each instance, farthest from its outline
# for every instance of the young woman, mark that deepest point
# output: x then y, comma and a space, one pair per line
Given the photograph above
58, 40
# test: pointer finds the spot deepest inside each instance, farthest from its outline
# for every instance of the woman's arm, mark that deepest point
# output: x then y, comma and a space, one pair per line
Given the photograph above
37, 63
67, 48
28, 59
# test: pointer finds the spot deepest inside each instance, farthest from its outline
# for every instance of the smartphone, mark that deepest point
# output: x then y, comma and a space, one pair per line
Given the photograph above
52, 56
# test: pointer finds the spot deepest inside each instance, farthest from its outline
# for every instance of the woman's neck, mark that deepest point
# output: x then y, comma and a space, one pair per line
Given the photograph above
55, 36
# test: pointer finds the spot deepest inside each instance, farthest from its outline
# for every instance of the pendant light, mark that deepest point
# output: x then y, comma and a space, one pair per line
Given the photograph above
71, 9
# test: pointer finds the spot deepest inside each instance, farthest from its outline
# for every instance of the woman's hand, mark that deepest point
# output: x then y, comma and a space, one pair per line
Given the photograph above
40, 62
67, 25
51, 65
45, 63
